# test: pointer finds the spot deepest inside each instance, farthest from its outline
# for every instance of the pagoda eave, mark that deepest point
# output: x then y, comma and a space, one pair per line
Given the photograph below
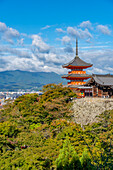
74, 77
77, 76
74, 67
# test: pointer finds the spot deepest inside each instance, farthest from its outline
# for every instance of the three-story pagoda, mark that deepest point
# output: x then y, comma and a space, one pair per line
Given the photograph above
77, 75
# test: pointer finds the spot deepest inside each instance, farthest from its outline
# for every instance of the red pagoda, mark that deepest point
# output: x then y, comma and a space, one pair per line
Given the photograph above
77, 76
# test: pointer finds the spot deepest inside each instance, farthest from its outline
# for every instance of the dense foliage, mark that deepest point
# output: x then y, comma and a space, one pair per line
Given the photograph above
37, 132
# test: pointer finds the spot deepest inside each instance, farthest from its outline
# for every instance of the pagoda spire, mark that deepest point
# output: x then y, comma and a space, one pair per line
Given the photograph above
76, 47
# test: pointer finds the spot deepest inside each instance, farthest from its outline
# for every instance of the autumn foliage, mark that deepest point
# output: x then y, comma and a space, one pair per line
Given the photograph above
37, 132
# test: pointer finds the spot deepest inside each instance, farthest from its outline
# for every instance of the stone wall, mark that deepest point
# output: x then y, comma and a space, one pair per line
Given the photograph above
86, 110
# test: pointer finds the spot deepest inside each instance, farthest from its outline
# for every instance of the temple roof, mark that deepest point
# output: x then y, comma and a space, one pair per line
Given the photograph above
77, 62
76, 75
104, 80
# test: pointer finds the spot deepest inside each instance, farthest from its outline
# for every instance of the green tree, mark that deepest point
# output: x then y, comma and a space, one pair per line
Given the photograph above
75, 162
86, 161
68, 158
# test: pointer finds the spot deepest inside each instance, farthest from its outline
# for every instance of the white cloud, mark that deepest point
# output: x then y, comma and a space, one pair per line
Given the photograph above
39, 56
66, 40
88, 40
25, 64
7, 39
68, 49
12, 62
110, 69
52, 58
20, 41
86, 24
46, 27
40, 44
3, 27
12, 33
101, 59
58, 39
104, 29
75, 32
96, 71
8, 34
60, 30
22, 53
85, 34
56, 69
94, 47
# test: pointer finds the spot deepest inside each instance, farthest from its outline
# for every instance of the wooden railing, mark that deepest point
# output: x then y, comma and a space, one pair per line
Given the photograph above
77, 72
76, 83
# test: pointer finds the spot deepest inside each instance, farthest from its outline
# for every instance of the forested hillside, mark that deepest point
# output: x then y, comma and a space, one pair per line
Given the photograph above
37, 132
14, 80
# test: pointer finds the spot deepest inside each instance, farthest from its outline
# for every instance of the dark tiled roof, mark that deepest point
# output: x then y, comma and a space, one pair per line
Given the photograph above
76, 75
105, 80
77, 62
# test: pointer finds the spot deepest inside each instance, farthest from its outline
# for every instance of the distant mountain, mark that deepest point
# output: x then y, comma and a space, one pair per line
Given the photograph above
14, 80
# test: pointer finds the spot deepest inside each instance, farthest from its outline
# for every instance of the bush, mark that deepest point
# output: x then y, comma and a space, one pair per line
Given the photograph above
9, 129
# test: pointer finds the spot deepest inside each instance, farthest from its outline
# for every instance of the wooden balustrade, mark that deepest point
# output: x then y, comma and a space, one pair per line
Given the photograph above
77, 72
76, 83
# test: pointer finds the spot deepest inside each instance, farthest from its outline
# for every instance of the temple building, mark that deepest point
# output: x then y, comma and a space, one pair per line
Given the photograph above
98, 85
102, 85
77, 76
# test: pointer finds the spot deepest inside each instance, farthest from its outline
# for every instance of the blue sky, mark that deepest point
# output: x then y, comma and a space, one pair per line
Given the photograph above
39, 35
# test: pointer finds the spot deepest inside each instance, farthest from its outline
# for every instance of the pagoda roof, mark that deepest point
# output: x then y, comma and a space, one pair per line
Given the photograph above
77, 62
104, 80
76, 75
